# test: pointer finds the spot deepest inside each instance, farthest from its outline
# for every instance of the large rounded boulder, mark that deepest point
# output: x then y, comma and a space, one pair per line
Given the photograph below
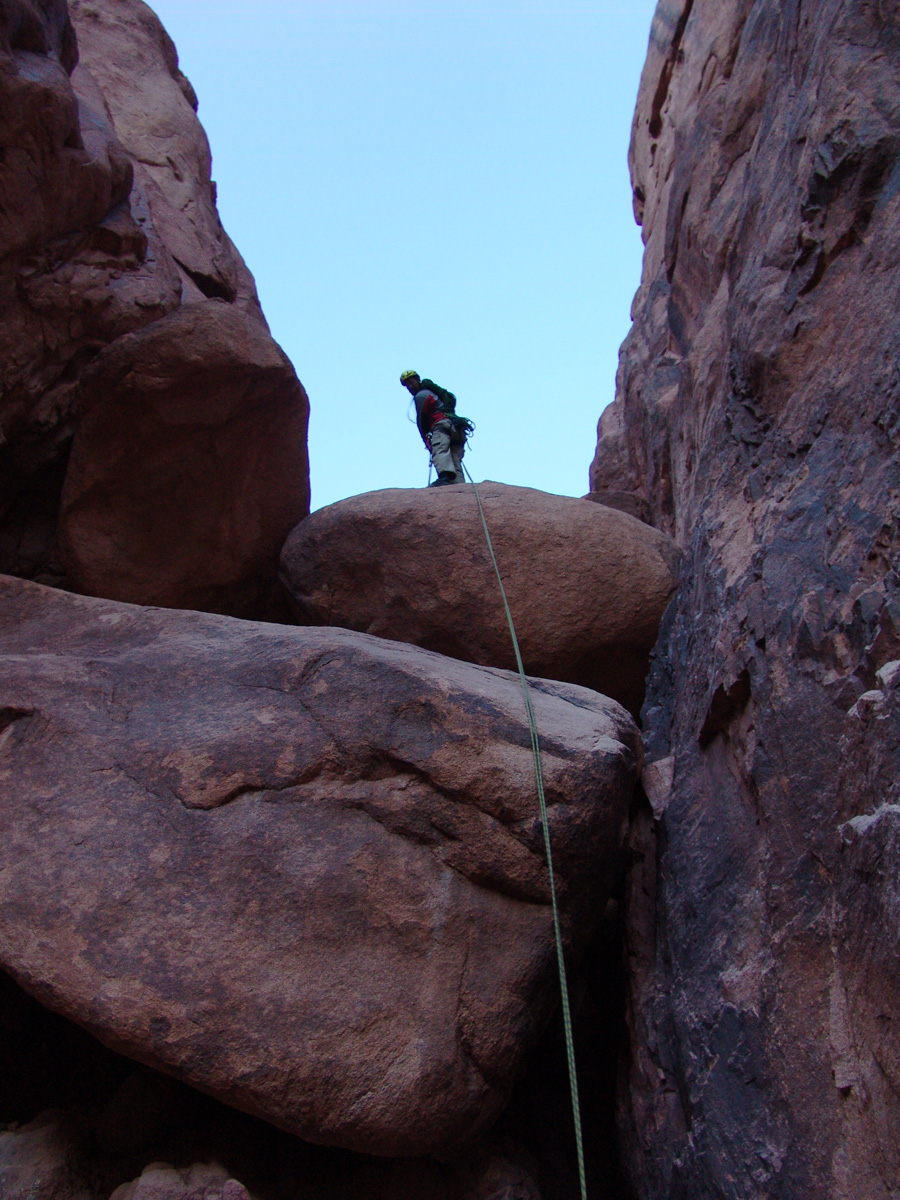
302, 870
587, 585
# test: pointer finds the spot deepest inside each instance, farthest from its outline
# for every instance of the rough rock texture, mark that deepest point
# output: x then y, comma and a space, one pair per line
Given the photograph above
758, 412
201, 1181
300, 869
107, 224
81, 1121
210, 407
587, 585
41, 1161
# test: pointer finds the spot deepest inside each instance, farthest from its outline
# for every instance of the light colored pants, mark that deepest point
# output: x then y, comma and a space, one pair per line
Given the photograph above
448, 445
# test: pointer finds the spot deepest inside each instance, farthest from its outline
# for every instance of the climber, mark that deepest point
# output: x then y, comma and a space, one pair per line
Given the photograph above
443, 432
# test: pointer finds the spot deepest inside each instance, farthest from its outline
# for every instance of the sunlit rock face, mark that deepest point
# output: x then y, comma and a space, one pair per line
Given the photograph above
108, 225
758, 413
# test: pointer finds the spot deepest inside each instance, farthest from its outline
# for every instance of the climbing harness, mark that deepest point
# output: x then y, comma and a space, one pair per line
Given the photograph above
542, 801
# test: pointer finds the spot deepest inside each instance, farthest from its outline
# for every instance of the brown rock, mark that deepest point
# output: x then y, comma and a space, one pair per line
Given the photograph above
108, 223
301, 869
587, 585
626, 502
189, 468
153, 110
757, 412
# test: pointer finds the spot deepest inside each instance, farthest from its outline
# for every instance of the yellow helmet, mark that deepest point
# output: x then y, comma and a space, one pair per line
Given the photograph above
409, 375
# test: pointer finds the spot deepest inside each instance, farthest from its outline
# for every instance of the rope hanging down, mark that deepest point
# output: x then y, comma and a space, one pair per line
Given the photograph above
539, 776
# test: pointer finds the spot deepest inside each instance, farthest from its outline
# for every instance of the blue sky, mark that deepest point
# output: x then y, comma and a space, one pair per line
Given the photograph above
438, 187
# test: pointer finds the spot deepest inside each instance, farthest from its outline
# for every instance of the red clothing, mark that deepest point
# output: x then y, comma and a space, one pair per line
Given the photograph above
428, 412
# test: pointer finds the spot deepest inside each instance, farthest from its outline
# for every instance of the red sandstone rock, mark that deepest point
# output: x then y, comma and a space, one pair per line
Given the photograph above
587, 585
108, 223
153, 110
758, 414
189, 467
301, 869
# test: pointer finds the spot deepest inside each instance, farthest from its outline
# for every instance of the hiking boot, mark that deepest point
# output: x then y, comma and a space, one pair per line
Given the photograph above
443, 478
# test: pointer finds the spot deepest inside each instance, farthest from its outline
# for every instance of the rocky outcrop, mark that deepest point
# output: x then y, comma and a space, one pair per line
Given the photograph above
107, 225
757, 413
300, 869
587, 585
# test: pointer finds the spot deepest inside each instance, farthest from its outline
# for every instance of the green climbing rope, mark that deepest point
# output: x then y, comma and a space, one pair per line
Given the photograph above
542, 801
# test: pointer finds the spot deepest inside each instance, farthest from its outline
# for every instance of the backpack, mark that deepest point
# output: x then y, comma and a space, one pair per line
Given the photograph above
448, 405
447, 399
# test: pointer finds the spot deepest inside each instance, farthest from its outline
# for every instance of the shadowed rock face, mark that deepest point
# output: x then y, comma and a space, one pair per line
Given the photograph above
759, 415
108, 224
301, 869
168, 497
587, 585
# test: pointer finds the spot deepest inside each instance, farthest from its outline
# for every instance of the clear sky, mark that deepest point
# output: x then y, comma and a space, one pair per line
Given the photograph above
437, 186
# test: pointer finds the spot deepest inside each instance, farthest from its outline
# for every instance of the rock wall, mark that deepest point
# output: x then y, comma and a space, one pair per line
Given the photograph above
108, 225
758, 413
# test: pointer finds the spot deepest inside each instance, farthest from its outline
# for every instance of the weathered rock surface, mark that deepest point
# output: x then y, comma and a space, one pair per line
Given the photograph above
301, 869
76, 1115
201, 1181
587, 585
107, 224
41, 1162
211, 408
153, 109
759, 414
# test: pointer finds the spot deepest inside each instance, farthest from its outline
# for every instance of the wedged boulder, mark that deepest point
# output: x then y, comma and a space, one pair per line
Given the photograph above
189, 467
587, 585
300, 869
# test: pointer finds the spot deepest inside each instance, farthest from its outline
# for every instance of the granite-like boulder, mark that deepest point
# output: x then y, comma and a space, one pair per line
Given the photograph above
108, 223
300, 869
587, 585
189, 467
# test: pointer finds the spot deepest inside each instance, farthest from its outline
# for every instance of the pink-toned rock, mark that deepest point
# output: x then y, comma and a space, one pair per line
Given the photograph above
189, 467
757, 412
587, 585
301, 869
202, 1181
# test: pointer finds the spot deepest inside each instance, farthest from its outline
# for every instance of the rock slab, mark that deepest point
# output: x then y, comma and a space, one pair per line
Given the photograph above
587, 585
301, 869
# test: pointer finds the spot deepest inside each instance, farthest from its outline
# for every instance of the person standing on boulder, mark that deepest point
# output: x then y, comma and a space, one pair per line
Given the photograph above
443, 432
